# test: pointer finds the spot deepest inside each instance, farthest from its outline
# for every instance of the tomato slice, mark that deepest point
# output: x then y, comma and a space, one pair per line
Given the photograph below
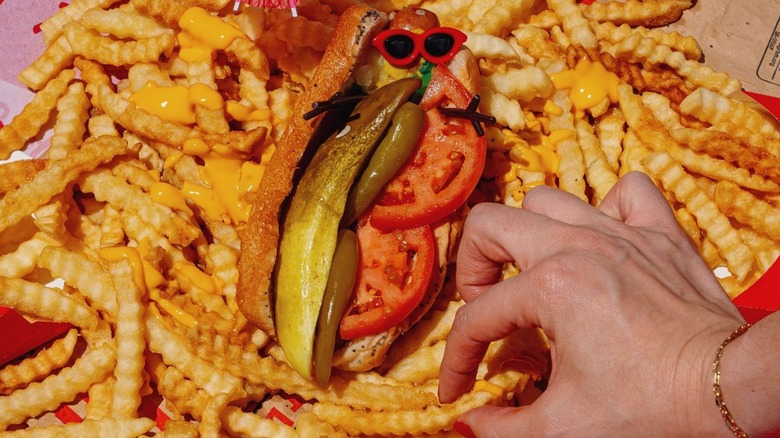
445, 167
393, 275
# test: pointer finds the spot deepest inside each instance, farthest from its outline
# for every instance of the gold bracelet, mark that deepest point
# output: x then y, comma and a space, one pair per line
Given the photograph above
719, 401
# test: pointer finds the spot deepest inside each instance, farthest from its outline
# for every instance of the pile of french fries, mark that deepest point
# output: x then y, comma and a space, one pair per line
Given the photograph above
150, 286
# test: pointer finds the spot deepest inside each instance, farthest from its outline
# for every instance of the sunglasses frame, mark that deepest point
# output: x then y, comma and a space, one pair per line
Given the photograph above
419, 45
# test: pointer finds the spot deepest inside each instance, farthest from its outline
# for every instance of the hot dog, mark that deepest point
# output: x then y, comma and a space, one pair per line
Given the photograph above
342, 225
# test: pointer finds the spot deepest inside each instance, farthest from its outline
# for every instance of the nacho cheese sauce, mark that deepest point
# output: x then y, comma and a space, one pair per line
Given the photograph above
590, 84
147, 278
202, 34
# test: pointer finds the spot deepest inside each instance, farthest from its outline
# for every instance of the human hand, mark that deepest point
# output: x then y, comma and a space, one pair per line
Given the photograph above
632, 313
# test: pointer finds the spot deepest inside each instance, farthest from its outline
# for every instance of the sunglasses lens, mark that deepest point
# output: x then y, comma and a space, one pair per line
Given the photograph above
439, 44
399, 46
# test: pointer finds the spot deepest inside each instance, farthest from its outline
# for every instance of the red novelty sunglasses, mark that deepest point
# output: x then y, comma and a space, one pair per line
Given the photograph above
401, 47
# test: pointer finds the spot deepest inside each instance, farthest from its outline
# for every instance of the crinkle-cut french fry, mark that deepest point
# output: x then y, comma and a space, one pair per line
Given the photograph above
240, 423
57, 57
175, 350
201, 288
688, 45
524, 84
734, 287
485, 45
545, 19
15, 173
765, 249
250, 57
122, 24
756, 139
536, 42
86, 275
431, 419
202, 72
94, 77
639, 49
688, 224
747, 208
672, 176
139, 121
711, 107
105, 427
53, 179
309, 426
506, 111
52, 27
92, 367
654, 135
426, 332
222, 262
44, 363
142, 73
610, 129
111, 233
267, 371
175, 428
211, 422
136, 173
170, 13
574, 23
420, 366
24, 260
138, 230
72, 115
90, 44
637, 12
50, 218
99, 405
108, 188
598, 171
661, 108
571, 165
47, 303
503, 16
722, 145
183, 394
211, 120
130, 342
33, 116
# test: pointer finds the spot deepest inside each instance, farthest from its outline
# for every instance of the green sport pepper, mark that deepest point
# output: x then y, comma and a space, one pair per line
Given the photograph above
394, 150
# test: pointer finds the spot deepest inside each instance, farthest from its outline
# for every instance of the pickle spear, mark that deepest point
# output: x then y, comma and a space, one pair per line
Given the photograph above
310, 228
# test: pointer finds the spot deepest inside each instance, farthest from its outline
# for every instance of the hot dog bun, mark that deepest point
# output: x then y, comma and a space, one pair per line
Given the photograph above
343, 56
260, 238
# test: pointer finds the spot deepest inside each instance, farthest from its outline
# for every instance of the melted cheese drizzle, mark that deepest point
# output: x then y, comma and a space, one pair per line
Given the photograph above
202, 34
148, 279
590, 84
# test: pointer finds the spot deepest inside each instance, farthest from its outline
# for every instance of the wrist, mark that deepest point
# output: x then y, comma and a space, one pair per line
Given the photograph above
749, 381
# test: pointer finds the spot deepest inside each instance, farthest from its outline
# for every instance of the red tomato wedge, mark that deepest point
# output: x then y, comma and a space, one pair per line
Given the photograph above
445, 167
393, 275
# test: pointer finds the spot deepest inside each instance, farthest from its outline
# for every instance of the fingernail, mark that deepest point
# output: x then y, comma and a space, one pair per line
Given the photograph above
464, 429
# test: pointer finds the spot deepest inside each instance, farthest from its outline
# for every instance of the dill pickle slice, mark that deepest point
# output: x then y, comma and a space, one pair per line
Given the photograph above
310, 228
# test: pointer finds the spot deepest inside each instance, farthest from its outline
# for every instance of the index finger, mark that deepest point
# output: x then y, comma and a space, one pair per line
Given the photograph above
493, 315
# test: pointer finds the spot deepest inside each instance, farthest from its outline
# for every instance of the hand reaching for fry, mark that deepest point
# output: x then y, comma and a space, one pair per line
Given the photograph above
632, 314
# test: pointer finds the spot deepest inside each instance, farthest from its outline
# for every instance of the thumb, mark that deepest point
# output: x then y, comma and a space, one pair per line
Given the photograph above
497, 421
